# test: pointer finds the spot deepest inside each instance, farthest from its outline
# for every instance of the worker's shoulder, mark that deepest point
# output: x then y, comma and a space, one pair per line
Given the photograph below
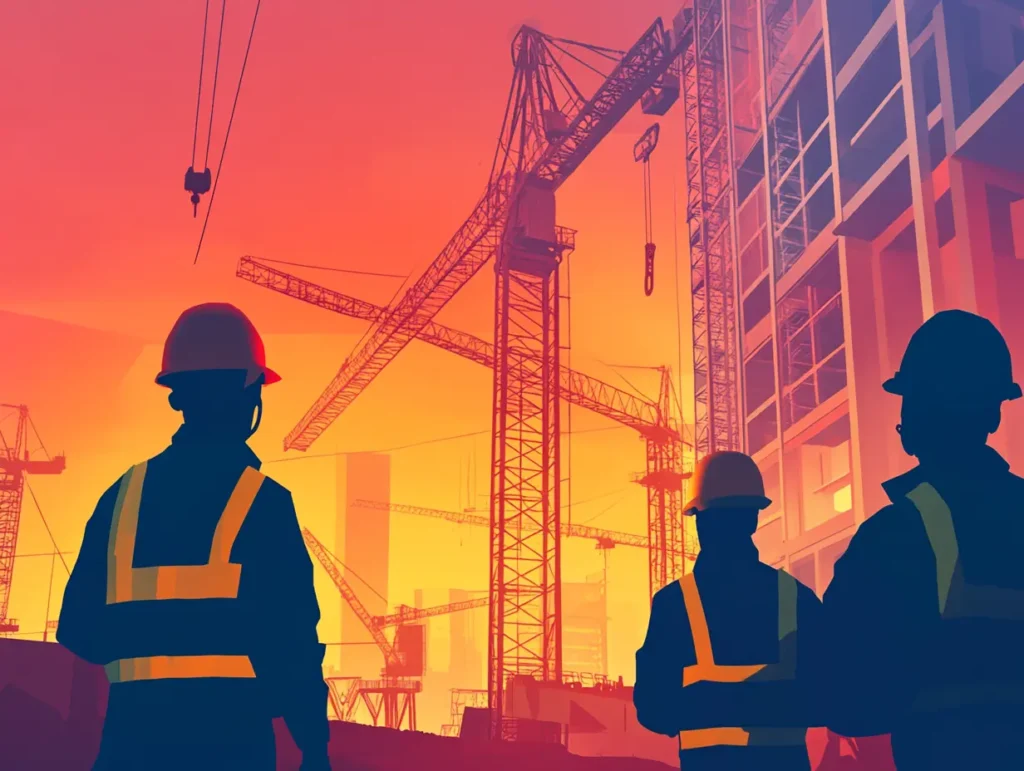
668, 596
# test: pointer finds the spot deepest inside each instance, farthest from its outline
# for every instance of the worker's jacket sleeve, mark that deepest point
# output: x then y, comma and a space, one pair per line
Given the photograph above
277, 583
668, 647
873, 622
82, 627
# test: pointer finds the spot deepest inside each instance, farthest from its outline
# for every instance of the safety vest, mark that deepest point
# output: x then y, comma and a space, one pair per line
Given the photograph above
707, 671
217, 579
962, 607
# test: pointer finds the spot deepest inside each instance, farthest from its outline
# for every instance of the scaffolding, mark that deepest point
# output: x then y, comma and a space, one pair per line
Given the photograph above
709, 173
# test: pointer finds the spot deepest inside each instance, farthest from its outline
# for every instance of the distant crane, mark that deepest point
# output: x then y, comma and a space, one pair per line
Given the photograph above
605, 539
666, 450
394, 693
549, 129
15, 463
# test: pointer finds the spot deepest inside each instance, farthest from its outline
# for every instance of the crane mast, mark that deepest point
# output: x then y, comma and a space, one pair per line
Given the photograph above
15, 463
544, 138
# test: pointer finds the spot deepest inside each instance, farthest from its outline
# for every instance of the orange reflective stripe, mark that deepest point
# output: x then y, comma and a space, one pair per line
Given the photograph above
216, 580
178, 668
234, 514
186, 582
698, 622
720, 673
742, 737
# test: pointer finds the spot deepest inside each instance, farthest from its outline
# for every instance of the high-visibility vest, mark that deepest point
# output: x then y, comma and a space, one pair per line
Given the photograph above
217, 579
705, 670
962, 606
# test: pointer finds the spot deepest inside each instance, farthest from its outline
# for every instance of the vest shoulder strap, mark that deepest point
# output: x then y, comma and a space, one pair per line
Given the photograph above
787, 605
938, 524
234, 515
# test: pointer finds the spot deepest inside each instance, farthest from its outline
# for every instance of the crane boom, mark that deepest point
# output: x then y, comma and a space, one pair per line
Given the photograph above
577, 388
405, 614
480, 236
324, 558
603, 537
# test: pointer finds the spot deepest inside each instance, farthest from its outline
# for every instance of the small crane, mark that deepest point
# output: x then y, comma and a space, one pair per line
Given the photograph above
15, 463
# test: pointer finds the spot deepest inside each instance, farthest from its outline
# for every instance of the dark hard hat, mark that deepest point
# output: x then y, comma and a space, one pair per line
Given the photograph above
956, 357
726, 480
215, 336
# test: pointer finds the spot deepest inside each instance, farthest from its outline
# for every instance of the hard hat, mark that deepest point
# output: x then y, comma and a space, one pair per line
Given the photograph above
956, 357
215, 336
726, 480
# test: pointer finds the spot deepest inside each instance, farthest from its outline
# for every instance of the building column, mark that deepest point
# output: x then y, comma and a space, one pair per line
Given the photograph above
869, 425
973, 286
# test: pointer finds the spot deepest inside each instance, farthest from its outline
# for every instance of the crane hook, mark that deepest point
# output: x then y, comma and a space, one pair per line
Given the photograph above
649, 269
197, 183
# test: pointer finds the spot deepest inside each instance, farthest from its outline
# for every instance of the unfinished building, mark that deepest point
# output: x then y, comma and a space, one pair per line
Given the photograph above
852, 168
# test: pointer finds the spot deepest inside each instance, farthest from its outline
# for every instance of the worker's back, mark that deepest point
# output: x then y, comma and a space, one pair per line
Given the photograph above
740, 598
950, 684
184, 495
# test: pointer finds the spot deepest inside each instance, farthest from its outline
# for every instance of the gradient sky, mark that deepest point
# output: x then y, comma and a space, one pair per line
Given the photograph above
362, 140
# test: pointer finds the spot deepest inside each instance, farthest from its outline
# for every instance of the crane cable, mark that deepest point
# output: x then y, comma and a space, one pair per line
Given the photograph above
199, 96
216, 72
227, 133
648, 230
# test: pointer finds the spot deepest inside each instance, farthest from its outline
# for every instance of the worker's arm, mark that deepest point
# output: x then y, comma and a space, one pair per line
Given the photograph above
82, 629
288, 657
873, 623
658, 694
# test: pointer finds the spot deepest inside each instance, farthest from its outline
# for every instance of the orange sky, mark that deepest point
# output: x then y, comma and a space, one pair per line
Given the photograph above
362, 140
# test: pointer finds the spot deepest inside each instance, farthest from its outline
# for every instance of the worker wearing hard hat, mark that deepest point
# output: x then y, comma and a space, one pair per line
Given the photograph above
193, 586
720, 668
925, 615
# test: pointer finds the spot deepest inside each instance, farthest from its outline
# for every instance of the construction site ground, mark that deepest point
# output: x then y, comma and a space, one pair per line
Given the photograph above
52, 706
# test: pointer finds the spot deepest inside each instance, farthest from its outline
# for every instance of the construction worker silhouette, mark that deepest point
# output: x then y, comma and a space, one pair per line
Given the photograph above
925, 615
720, 667
193, 586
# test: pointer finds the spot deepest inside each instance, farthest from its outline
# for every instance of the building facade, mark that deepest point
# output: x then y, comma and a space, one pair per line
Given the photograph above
853, 167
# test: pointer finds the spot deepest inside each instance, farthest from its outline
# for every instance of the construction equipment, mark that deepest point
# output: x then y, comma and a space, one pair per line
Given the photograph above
545, 137
712, 269
604, 538
15, 463
642, 154
406, 614
666, 450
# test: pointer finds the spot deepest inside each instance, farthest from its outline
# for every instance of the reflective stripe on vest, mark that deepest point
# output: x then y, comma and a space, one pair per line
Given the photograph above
959, 600
218, 579
706, 670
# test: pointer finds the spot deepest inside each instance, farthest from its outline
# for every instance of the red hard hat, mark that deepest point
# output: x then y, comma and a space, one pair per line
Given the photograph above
215, 336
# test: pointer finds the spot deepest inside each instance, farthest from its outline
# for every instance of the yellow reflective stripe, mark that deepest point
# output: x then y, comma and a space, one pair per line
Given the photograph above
178, 668
741, 737
121, 547
787, 605
186, 582
938, 523
234, 514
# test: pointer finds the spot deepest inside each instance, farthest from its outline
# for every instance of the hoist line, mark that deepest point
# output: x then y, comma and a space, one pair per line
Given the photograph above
227, 133
199, 96
216, 72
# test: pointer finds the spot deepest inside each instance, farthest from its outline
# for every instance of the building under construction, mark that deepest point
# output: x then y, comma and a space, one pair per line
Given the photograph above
852, 168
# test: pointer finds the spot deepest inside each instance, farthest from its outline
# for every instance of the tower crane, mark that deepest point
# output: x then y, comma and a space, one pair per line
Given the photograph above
665, 446
603, 538
549, 130
15, 463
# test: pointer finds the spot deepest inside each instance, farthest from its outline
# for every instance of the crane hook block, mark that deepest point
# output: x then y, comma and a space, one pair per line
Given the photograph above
197, 183
649, 269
